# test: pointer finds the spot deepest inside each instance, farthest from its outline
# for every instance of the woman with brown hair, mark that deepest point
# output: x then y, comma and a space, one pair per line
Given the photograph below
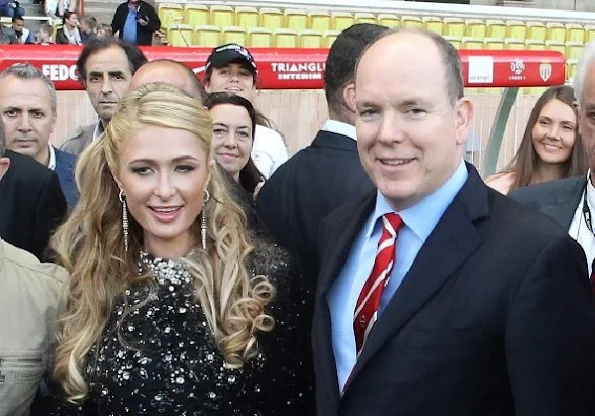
551, 148
172, 306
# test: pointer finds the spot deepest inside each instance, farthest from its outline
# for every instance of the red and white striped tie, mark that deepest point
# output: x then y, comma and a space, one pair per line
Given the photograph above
366, 308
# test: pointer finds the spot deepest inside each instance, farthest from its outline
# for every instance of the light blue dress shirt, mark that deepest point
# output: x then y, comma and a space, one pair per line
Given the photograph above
418, 223
130, 34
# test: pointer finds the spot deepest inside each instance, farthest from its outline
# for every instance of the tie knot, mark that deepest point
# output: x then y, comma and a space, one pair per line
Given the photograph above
392, 222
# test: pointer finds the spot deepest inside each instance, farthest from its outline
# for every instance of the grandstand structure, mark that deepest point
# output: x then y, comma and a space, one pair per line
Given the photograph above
306, 24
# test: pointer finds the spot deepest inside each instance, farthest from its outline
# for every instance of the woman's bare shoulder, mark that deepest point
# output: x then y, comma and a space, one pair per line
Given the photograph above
501, 182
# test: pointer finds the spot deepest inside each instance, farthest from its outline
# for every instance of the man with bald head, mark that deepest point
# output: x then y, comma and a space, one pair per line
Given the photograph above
170, 72
437, 295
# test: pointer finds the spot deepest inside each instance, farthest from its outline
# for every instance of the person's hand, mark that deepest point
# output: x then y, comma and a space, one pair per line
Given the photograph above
142, 21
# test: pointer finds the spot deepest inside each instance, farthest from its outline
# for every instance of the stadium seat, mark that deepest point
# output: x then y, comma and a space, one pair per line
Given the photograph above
196, 15
570, 69
341, 20
411, 21
472, 43
514, 44
535, 45
180, 34
574, 50
516, 30
589, 33
494, 43
555, 45
207, 36
454, 41
296, 19
475, 28
246, 17
222, 16
260, 37
434, 24
536, 31
271, 17
454, 27
575, 33
170, 14
496, 29
556, 32
310, 38
388, 20
233, 34
55, 27
328, 37
286, 38
365, 18
320, 21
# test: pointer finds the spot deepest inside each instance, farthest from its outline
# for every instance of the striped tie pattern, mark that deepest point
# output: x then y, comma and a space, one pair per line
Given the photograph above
366, 308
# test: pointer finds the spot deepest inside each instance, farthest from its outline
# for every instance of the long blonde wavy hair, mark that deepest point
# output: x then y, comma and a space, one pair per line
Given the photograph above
90, 245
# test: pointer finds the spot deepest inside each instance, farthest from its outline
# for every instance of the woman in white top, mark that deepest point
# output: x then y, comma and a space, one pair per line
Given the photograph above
231, 68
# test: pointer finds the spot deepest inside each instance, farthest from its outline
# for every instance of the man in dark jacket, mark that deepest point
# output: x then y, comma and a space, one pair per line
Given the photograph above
135, 22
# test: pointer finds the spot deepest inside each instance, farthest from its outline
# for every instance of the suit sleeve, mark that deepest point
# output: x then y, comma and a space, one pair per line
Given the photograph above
50, 212
550, 335
154, 21
117, 21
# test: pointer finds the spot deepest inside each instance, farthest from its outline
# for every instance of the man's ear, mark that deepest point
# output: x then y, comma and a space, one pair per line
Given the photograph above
463, 119
349, 97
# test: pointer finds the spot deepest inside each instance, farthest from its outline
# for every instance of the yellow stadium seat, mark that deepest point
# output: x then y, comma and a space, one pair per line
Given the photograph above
494, 44
246, 17
433, 24
233, 34
554, 45
365, 18
286, 38
271, 17
55, 27
341, 20
516, 30
475, 28
472, 43
196, 15
207, 36
310, 38
535, 45
496, 29
575, 33
556, 32
6, 21
388, 20
514, 44
222, 16
296, 19
328, 37
454, 41
536, 31
411, 21
320, 21
570, 69
590, 33
260, 37
574, 50
454, 27
170, 14
180, 34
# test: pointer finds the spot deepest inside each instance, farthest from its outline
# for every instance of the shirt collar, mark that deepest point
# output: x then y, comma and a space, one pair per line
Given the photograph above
339, 127
98, 130
52, 161
423, 217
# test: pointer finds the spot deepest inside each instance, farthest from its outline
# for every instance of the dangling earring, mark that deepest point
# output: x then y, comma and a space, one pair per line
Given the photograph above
203, 220
124, 219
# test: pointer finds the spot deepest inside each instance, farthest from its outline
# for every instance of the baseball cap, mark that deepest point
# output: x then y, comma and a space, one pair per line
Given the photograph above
231, 52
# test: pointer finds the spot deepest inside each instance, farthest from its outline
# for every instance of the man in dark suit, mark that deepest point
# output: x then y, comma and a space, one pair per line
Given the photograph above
28, 107
571, 202
326, 174
437, 295
135, 22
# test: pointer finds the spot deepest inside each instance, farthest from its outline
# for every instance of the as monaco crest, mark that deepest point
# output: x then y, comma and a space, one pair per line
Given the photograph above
545, 71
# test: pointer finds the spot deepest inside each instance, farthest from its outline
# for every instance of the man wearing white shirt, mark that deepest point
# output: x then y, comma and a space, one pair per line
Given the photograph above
326, 174
571, 202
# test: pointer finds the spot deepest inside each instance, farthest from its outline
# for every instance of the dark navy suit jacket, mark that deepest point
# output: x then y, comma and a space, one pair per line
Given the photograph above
65, 164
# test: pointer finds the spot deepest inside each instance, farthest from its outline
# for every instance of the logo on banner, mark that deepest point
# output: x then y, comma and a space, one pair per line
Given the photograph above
517, 67
298, 70
545, 71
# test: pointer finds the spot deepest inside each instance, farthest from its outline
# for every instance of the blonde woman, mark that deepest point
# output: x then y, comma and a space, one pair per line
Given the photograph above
172, 308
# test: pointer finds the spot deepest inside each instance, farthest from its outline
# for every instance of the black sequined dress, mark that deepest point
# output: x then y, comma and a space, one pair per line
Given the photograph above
164, 359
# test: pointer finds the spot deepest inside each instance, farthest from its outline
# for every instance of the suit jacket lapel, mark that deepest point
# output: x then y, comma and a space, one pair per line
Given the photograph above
453, 240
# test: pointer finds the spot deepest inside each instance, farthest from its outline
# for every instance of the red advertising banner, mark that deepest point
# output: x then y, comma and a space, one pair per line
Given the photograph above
285, 68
